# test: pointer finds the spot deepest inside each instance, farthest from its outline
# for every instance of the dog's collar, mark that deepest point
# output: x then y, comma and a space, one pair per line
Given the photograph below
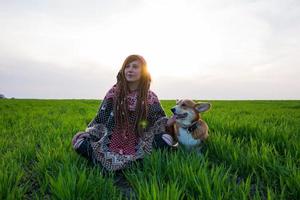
191, 127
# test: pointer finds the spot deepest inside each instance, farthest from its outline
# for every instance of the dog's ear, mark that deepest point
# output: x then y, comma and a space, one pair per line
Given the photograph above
202, 107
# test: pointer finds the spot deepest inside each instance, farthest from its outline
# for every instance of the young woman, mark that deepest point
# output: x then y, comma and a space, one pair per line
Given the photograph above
129, 123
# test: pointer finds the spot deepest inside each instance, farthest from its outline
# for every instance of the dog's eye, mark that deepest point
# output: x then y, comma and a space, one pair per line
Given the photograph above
183, 105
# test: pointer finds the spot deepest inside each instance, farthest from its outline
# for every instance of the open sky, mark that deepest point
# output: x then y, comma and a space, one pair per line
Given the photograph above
199, 49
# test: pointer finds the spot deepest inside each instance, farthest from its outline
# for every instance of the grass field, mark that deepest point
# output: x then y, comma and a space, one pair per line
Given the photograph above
253, 152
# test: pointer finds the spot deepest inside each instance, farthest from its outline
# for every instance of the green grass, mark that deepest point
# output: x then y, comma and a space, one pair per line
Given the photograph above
253, 152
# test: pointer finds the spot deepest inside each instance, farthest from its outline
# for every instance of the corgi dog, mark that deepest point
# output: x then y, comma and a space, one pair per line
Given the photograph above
186, 126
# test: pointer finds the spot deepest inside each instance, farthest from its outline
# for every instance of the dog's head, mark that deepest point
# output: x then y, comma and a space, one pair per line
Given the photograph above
187, 111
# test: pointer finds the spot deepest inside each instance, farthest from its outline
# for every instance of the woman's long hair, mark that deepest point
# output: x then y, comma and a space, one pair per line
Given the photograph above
121, 104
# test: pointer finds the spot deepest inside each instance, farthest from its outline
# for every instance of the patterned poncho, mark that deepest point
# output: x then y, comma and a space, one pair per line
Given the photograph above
114, 148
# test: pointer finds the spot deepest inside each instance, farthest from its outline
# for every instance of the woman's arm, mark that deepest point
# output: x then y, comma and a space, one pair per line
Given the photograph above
165, 127
156, 110
163, 133
159, 112
105, 109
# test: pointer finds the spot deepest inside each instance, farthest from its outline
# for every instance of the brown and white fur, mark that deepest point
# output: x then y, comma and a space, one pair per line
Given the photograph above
186, 126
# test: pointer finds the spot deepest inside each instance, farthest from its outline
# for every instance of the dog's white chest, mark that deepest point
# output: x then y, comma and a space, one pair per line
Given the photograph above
186, 138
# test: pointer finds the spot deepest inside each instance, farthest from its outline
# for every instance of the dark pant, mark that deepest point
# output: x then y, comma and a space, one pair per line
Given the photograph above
85, 148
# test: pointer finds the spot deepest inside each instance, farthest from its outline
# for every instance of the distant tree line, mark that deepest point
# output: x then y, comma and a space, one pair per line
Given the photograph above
2, 96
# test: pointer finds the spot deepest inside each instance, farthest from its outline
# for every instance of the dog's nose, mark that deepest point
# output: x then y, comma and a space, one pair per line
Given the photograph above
173, 110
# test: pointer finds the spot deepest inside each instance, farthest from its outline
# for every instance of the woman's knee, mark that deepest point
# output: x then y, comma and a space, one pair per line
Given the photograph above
158, 142
162, 142
83, 147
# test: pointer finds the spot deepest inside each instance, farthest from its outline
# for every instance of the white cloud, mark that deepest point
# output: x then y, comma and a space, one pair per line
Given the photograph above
219, 49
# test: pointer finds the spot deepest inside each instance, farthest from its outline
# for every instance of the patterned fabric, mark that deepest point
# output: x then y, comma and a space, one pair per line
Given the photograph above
110, 148
123, 144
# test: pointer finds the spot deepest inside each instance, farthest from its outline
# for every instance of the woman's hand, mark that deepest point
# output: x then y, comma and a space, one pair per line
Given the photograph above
171, 120
78, 136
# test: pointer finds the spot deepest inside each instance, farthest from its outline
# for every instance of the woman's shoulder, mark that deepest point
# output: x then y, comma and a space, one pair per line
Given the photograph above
111, 92
152, 97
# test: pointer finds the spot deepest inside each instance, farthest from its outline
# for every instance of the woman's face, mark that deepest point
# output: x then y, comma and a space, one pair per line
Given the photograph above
133, 71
